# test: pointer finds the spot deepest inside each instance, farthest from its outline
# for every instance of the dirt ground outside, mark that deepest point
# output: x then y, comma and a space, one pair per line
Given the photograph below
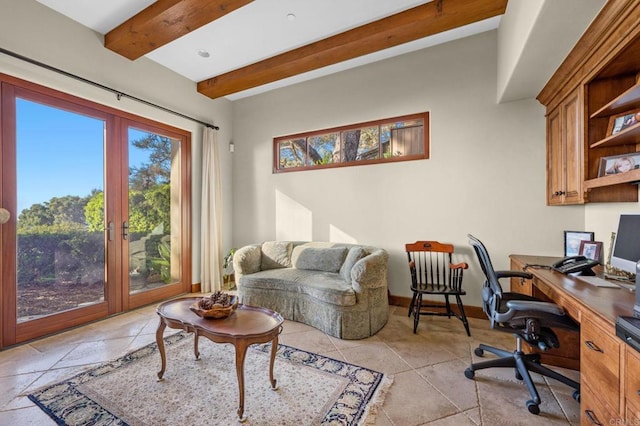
38, 299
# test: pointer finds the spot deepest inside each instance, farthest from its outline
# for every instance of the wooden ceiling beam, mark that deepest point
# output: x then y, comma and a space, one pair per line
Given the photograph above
165, 21
413, 24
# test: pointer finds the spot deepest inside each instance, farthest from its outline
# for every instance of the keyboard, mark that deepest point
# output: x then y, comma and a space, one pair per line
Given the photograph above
601, 282
598, 282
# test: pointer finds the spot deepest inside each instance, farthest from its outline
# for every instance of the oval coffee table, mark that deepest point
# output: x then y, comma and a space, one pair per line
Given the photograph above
246, 326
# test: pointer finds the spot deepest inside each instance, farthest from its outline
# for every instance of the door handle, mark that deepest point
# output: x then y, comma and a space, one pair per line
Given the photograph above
4, 216
125, 230
110, 231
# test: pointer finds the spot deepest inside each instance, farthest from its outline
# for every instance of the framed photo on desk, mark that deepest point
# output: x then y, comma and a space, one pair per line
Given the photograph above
572, 240
591, 249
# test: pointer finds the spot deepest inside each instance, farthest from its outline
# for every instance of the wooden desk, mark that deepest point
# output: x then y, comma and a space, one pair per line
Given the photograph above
603, 359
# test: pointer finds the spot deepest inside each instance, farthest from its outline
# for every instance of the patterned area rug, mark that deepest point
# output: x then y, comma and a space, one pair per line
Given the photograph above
312, 389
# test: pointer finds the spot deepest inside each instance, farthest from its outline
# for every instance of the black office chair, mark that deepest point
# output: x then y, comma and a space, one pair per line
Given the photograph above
526, 317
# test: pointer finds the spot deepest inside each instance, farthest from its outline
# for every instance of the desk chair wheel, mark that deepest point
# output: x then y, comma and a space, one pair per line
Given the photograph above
478, 352
518, 375
533, 407
469, 373
576, 395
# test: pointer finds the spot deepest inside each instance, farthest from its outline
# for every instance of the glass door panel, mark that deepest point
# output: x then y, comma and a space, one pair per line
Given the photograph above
154, 225
60, 256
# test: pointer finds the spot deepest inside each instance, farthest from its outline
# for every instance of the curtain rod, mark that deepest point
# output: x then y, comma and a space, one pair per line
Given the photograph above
118, 93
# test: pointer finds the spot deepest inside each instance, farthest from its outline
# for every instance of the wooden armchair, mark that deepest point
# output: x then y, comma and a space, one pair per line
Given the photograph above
434, 273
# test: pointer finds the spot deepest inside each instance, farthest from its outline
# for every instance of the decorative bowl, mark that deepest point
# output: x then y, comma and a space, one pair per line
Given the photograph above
216, 312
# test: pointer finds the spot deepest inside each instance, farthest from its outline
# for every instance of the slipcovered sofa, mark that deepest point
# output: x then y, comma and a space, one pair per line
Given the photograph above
340, 289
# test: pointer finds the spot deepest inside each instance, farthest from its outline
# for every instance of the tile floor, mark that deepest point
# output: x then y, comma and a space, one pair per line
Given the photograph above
429, 385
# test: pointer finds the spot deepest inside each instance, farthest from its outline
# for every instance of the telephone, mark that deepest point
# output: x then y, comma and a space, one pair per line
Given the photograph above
573, 264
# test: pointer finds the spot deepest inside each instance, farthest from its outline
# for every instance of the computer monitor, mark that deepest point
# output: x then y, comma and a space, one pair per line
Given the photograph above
626, 248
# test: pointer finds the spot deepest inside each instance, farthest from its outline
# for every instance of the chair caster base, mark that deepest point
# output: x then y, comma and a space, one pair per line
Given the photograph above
576, 395
478, 352
533, 407
469, 373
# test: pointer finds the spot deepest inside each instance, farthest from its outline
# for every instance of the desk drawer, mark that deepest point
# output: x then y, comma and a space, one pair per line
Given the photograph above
600, 362
632, 376
595, 412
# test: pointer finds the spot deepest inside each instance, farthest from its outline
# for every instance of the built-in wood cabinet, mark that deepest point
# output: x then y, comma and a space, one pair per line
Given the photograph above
597, 82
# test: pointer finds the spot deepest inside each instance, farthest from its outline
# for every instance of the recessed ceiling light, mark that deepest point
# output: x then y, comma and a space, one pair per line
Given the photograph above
291, 17
203, 53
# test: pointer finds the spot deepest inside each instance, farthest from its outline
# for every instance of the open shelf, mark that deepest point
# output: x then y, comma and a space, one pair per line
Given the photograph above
630, 135
629, 100
632, 176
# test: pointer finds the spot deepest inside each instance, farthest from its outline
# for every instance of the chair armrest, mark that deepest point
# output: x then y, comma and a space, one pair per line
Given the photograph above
525, 305
513, 274
247, 260
458, 266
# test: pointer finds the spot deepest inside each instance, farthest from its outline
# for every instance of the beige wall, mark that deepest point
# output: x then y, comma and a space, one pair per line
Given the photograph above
486, 174
602, 219
37, 32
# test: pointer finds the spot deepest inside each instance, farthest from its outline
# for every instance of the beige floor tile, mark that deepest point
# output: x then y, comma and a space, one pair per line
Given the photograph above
376, 356
500, 400
419, 352
295, 327
460, 419
12, 386
448, 377
413, 401
382, 419
312, 341
27, 359
344, 344
31, 416
92, 352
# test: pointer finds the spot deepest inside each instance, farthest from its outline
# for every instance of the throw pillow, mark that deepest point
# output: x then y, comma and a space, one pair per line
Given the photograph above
355, 254
276, 254
319, 259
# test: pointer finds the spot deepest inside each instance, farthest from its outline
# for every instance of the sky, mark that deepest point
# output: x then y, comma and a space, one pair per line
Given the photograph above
60, 153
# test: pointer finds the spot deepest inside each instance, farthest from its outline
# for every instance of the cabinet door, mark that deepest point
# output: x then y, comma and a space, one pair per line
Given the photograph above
573, 131
555, 159
565, 152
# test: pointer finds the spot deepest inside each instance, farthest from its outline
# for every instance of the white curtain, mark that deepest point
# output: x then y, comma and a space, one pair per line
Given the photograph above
211, 217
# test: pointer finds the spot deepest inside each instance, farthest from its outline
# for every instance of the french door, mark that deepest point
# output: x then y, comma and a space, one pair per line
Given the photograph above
99, 211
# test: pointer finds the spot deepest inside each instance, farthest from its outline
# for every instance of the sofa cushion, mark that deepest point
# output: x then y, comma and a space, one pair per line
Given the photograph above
355, 254
276, 254
318, 259
327, 287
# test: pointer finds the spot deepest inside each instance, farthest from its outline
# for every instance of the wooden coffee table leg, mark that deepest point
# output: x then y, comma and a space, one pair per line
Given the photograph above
195, 345
241, 351
160, 343
274, 349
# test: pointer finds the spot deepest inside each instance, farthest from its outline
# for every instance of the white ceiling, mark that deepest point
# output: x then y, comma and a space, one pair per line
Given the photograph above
258, 31
262, 29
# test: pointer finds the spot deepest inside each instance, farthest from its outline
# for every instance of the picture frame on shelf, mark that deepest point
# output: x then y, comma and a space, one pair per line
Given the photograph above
616, 164
591, 249
620, 122
572, 240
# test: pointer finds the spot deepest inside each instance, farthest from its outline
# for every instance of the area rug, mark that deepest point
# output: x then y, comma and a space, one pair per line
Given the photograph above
312, 389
